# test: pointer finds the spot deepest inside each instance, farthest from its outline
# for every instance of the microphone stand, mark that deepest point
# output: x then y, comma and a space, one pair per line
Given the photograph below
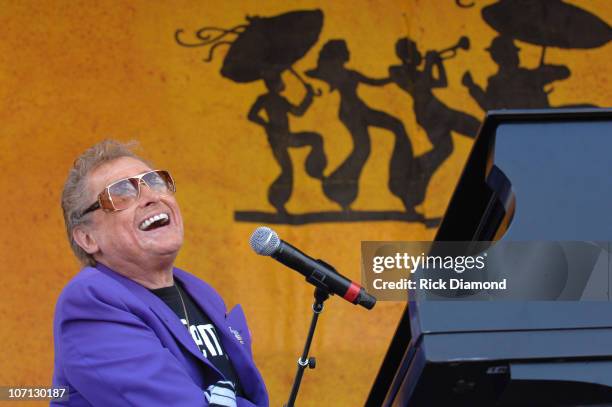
320, 294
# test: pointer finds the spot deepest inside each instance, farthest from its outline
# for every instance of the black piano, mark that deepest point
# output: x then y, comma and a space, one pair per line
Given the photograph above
531, 175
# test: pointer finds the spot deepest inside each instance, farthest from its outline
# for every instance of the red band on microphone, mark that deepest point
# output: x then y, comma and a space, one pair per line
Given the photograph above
352, 292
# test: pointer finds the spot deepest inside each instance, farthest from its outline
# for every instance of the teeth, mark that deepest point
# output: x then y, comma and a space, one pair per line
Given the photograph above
147, 222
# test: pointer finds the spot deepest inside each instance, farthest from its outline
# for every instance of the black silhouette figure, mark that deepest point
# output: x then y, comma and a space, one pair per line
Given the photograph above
262, 49
277, 109
342, 184
546, 23
437, 119
513, 87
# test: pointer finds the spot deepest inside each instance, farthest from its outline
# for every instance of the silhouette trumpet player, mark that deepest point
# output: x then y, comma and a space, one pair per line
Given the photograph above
437, 119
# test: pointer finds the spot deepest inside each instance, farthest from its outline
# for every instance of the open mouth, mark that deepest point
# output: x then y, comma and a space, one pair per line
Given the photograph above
154, 222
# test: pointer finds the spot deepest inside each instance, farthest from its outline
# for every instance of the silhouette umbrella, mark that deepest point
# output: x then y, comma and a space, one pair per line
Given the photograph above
264, 47
549, 23
270, 45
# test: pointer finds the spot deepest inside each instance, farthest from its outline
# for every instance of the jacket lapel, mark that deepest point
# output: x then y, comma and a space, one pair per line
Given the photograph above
178, 330
239, 353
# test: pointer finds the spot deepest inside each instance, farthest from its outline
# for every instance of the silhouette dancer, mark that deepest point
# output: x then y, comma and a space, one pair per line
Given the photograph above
277, 109
513, 87
342, 184
437, 119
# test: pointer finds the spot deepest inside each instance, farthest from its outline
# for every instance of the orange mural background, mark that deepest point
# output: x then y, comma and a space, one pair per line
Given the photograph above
74, 73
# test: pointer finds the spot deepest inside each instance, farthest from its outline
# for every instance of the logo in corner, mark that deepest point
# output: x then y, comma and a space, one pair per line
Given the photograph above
237, 335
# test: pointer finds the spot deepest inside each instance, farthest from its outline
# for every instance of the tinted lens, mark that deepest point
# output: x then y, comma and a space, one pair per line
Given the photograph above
159, 181
123, 193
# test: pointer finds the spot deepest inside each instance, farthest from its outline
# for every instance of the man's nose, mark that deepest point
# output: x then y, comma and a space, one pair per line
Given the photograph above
147, 195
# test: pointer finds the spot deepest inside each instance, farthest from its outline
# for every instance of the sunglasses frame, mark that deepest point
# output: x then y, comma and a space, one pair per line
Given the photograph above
105, 200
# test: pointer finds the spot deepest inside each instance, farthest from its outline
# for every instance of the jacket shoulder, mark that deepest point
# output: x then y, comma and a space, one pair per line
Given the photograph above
91, 286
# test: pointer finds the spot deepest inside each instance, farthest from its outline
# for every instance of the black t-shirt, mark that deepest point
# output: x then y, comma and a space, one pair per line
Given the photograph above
201, 329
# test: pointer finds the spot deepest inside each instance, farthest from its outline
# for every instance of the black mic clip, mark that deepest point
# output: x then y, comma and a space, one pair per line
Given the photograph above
317, 278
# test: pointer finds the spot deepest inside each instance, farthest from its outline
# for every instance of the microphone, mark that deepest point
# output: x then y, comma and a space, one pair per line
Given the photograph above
265, 241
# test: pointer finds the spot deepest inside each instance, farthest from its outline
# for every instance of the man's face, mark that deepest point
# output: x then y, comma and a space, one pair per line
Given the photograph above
119, 235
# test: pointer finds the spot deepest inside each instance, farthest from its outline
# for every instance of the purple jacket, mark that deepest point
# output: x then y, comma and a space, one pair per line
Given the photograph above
118, 344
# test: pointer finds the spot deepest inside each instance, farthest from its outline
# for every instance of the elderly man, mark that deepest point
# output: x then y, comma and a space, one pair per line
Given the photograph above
130, 328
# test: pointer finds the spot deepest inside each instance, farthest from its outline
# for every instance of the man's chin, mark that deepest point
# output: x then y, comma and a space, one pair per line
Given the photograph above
168, 250
163, 249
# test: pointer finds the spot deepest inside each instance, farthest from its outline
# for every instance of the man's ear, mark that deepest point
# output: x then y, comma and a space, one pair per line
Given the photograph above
84, 238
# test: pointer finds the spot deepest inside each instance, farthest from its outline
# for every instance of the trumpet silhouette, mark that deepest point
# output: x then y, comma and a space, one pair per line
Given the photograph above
451, 52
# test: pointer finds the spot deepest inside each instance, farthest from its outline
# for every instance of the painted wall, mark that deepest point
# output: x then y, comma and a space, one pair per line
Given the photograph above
73, 73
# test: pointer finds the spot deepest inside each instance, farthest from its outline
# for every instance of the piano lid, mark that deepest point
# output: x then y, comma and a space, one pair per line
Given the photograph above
531, 175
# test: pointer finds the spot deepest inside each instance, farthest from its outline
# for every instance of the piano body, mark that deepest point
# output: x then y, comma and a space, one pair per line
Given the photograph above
532, 175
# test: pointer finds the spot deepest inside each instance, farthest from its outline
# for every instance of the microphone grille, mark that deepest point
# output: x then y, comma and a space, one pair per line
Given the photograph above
264, 241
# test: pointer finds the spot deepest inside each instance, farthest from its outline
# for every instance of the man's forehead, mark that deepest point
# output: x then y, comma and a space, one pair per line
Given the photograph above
114, 170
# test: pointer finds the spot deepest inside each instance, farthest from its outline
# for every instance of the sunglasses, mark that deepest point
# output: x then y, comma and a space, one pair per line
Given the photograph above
123, 193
